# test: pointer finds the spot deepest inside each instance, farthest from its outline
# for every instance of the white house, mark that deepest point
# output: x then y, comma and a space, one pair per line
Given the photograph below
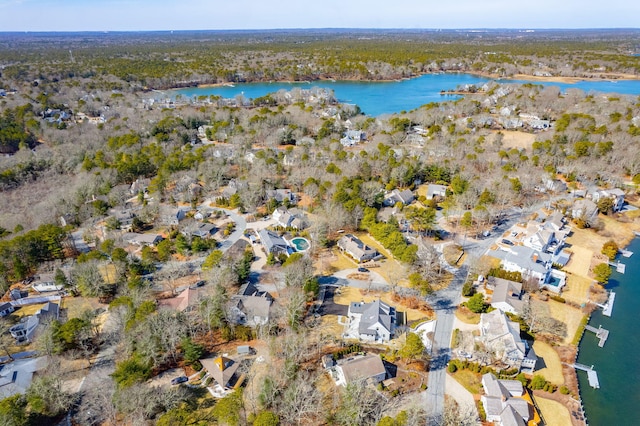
502, 401
434, 190
353, 137
501, 336
373, 322
531, 263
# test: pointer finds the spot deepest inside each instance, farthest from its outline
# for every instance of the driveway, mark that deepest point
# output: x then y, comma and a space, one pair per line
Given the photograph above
329, 307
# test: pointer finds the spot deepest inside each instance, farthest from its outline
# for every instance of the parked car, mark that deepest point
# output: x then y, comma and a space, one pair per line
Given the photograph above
507, 242
178, 380
200, 283
361, 269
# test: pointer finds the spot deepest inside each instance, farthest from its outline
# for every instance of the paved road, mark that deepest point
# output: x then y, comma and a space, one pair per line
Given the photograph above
444, 304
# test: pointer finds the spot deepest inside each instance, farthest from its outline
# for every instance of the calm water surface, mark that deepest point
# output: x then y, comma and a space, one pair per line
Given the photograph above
377, 98
617, 402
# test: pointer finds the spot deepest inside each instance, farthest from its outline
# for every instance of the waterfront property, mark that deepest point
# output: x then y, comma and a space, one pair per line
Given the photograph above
503, 402
532, 264
501, 337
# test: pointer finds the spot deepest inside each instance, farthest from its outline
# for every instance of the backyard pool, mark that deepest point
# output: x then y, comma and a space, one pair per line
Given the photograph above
300, 244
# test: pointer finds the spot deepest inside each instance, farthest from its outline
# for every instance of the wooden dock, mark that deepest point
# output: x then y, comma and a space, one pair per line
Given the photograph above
600, 333
626, 253
620, 267
608, 307
592, 376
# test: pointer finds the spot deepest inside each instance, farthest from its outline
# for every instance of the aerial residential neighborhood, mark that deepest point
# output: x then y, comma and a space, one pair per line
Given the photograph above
262, 228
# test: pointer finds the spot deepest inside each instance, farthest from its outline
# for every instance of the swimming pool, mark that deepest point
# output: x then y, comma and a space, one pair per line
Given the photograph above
300, 244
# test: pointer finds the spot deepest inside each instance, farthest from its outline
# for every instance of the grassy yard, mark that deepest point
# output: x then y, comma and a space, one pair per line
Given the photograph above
470, 380
577, 289
466, 316
620, 232
553, 370
580, 261
554, 412
342, 261
75, 306
567, 314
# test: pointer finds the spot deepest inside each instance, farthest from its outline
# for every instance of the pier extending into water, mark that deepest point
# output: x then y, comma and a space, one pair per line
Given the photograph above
591, 374
607, 308
620, 267
600, 333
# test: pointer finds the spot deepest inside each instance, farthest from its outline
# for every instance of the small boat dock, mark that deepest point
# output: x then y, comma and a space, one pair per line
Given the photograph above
591, 374
626, 253
607, 308
600, 333
620, 267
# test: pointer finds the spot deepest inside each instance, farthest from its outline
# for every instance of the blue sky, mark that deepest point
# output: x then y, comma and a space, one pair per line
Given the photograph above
131, 15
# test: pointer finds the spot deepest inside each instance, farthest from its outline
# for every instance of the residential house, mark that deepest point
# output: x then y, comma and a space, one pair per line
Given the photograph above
374, 322
26, 329
507, 295
124, 217
555, 185
501, 337
503, 402
433, 191
139, 185
250, 306
616, 195
223, 370
201, 230
172, 216
584, 209
532, 264
141, 239
6, 309
203, 213
353, 137
186, 301
405, 197
282, 195
556, 222
289, 219
16, 376
369, 368
540, 239
355, 248
232, 188
273, 243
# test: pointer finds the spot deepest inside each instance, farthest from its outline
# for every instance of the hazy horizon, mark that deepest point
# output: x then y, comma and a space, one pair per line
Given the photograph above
200, 15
